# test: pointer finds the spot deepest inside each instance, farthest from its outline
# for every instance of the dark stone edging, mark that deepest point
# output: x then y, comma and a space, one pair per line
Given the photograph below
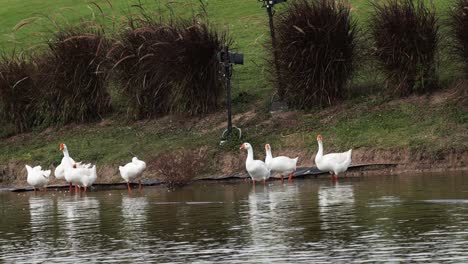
301, 172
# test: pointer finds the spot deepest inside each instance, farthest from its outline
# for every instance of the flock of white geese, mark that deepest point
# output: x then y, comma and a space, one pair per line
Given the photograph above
84, 175
81, 175
334, 163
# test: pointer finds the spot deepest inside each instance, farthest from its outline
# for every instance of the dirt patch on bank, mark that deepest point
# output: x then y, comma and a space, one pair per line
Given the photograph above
412, 161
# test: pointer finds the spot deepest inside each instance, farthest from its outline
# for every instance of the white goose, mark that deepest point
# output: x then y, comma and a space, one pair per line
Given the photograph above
60, 172
335, 163
61, 168
73, 174
132, 170
88, 176
37, 177
281, 164
257, 169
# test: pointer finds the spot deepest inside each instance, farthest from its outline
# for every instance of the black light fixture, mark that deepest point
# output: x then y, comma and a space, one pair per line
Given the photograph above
228, 59
268, 4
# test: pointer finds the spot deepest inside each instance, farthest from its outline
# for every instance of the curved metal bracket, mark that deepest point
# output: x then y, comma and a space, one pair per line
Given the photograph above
226, 130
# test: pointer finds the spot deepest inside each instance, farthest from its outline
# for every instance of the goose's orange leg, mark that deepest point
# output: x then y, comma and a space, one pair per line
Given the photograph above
334, 177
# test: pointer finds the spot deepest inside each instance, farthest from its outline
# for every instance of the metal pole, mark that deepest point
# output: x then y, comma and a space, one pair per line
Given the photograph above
227, 72
275, 53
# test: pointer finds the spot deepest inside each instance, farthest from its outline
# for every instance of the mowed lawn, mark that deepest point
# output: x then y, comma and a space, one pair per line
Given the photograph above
245, 20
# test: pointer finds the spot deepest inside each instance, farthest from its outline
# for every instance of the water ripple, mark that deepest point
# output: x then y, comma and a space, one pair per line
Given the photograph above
303, 222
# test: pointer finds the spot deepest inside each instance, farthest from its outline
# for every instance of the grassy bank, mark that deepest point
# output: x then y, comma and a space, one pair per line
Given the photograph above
427, 128
435, 125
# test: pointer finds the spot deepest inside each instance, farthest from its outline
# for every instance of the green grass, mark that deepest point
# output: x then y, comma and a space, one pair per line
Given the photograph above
363, 121
245, 20
406, 125
398, 124
104, 145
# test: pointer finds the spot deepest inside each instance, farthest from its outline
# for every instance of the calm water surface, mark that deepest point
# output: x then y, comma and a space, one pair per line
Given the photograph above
420, 218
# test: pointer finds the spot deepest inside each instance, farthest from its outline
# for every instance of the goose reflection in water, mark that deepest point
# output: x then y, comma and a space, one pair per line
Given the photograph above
336, 206
81, 218
268, 208
41, 210
134, 214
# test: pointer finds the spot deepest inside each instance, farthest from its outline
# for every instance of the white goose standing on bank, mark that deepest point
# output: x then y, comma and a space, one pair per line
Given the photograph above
37, 177
132, 170
257, 169
281, 164
88, 176
77, 175
60, 172
335, 163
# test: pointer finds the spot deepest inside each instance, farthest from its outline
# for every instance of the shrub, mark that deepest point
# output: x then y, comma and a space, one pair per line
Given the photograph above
179, 168
405, 38
459, 27
75, 74
198, 86
316, 42
20, 97
136, 63
169, 67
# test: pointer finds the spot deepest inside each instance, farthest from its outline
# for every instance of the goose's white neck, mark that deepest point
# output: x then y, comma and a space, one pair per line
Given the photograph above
65, 153
250, 154
320, 150
68, 164
268, 153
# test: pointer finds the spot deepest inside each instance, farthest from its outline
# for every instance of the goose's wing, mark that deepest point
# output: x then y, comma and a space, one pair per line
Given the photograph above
283, 163
336, 158
59, 170
259, 168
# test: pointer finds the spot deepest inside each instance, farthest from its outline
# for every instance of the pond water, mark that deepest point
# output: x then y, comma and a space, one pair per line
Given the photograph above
421, 218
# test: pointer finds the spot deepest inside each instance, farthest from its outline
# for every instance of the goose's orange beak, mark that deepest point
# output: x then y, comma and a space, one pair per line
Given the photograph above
242, 147
62, 147
319, 138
